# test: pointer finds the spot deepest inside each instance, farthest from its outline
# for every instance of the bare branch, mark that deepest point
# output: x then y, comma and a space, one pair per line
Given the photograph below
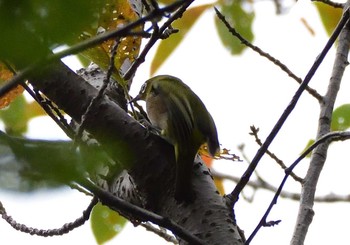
257, 184
272, 155
158, 33
160, 232
319, 156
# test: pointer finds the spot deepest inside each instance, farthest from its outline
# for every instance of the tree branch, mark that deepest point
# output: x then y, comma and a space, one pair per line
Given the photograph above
324, 140
116, 203
51, 232
234, 195
295, 196
272, 155
318, 157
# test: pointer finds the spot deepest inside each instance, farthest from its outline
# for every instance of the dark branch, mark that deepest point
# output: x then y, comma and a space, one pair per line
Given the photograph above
51, 232
158, 33
142, 214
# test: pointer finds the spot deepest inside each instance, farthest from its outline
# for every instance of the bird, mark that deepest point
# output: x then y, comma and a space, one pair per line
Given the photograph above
184, 121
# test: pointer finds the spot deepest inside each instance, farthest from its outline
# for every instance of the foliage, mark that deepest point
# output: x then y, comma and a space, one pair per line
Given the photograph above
241, 19
26, 165
17, 115
41, 25
184, 25
341, 118
113, 15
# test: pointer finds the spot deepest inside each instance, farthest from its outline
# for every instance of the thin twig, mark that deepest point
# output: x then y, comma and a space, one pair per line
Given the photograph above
52, 111
266, 55
101, 91
333, 136
272, 155
160, 232
50, 232
328, 198
156, 35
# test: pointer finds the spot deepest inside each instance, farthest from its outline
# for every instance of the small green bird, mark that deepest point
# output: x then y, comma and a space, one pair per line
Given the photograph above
184, 121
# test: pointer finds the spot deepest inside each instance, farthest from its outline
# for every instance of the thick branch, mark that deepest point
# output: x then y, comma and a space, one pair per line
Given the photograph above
149, 159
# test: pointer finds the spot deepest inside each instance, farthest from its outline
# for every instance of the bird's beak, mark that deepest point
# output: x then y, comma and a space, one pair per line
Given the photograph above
138, 97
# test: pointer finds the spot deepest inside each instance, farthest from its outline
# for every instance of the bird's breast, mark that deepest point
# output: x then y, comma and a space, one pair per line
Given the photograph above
157, 112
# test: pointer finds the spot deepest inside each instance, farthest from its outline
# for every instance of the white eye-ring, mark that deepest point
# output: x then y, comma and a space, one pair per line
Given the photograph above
143, 88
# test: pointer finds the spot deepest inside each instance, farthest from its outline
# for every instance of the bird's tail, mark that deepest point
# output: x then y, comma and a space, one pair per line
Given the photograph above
184, 171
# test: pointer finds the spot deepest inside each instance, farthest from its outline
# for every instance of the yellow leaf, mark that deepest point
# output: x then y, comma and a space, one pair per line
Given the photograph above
330, 16
167, 46
5, 75
105, 223
115, 14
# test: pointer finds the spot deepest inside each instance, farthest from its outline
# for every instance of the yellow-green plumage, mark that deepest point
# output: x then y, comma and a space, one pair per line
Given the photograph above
185, 122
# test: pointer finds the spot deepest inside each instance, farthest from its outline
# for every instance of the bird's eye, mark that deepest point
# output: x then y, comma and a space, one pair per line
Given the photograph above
143, 88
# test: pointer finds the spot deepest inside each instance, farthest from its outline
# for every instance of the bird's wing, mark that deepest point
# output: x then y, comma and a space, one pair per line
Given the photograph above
181, 118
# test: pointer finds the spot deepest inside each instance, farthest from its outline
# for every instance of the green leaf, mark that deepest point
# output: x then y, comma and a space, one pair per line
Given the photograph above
309, 143
329, 15
29, 28
184, 24
105, 223
239, 18
28, 164
17, 115
14, 116
341, 118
